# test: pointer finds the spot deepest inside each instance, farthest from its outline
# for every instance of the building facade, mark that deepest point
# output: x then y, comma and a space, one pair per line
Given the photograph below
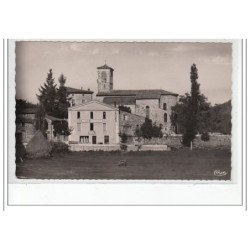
93, 123
25, 124
154, 104
78, 96
51, 120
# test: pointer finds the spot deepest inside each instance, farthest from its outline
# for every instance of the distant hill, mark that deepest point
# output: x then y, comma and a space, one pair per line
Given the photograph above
220, 115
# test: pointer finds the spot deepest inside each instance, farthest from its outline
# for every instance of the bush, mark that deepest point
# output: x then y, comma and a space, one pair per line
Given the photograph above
205, 136
59, 147
125, 109
124, 138
149, 130
123, 147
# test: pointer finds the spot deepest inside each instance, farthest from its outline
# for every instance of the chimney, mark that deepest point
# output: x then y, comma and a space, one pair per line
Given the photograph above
88, 89
81, 88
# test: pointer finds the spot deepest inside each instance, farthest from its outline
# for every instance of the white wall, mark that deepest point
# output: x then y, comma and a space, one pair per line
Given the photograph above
111, 121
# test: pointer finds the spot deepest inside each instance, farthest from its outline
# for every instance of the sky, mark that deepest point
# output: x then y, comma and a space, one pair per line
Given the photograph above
137, 65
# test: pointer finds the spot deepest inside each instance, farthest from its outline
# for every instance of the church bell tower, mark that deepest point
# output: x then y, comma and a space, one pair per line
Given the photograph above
105, 78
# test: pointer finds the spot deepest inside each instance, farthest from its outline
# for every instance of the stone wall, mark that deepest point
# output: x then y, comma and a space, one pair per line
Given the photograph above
86, 147
175, 141
215, 141
27, 130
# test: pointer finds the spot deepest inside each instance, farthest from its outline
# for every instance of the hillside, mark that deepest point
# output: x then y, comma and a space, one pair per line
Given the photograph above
221, 118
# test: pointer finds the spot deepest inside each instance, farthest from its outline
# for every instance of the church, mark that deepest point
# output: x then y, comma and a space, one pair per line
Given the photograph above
154, 104
101, 120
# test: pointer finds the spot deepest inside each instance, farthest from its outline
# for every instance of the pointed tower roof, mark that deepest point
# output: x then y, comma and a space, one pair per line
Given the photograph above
105, 66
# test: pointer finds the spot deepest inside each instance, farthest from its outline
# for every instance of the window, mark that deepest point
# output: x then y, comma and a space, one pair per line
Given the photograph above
106, 139
104, 115
104, 76
91, 126
23, 124
73, 102
91, 115
84, 139
104, 127
165, 117
78, 114
147, 112
78, 126
165, 106
115, 104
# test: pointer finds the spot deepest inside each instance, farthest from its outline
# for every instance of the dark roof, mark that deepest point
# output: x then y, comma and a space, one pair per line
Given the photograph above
119, 100
105, 66
28, 111
138, 94
78, 91
52, 118
25, 120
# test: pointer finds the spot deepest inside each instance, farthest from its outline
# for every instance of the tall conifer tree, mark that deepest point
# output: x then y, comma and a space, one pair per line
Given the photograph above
63, 103
47, 97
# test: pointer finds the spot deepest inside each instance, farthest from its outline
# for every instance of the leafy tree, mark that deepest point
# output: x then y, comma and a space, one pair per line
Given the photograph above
220, 116
47, 96
63, 104
124, 137
191, 114
149, 130
124, 108
61, 128
23, 104
179, 113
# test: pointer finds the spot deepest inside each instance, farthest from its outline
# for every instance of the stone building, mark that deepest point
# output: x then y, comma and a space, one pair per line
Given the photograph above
154, 104
51, 120
25, 124
78, 96
129, 123
93, 123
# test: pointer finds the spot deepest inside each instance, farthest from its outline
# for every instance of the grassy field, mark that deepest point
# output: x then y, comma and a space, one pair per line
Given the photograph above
170, 165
